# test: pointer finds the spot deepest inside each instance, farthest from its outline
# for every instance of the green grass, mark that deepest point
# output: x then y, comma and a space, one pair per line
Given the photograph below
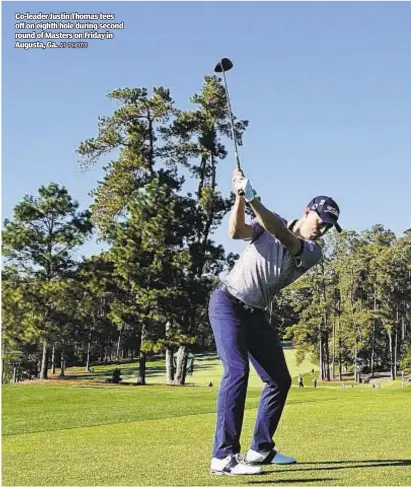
207, 368
82, 433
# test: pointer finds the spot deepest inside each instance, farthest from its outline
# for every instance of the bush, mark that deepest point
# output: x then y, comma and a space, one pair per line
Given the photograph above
405, 361
116, 376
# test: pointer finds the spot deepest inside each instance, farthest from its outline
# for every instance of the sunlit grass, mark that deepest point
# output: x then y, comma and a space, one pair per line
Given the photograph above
103, 434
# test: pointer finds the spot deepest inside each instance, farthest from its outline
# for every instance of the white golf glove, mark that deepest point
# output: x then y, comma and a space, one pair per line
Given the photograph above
243, 186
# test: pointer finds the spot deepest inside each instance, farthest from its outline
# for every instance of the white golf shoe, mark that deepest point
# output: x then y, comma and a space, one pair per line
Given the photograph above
271, 457
233, 465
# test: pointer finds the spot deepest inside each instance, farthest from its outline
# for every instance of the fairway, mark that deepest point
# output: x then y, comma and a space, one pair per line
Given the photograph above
86, 433
188, 191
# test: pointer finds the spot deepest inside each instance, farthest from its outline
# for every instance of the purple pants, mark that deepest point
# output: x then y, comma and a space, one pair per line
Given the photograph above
240, 336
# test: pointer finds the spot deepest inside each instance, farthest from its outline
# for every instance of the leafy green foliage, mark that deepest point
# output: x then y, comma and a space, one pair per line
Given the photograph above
39, 244
164, 259
363, 307
43, 232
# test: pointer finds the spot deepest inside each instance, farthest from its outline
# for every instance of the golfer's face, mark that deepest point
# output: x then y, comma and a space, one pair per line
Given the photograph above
313, 227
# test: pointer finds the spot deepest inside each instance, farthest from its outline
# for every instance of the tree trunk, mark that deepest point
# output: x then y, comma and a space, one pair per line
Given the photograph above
333, 353
62, 364
340, 365
373, 335
181, 366
88, 354
320, 347
118, 345
324, 334
169, 356
355, 362
53, 359
43, 368
327, 357
14, 379
169, 366
141, 379
390, 347
396, 342
395, 352
3, 370
403, 329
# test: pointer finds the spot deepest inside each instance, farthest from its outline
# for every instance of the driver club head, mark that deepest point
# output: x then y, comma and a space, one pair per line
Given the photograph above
224, 65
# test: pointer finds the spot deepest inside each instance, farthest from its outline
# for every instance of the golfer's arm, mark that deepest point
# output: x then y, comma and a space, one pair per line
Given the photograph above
274, 225
238, 228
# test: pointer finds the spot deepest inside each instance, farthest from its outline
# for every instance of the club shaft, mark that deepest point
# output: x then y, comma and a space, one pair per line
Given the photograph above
237, 158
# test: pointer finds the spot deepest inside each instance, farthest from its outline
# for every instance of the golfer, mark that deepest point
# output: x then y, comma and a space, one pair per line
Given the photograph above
278, 253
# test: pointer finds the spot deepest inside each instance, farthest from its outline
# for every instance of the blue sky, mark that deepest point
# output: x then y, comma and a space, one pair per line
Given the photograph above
326, 87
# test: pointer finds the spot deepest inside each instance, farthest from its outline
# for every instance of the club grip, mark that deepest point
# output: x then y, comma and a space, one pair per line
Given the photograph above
237, 161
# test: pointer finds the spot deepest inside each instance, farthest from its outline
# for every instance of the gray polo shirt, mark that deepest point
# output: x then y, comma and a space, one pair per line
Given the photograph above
265, 267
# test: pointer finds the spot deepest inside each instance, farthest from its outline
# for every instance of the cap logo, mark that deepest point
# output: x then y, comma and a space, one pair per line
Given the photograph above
331, 209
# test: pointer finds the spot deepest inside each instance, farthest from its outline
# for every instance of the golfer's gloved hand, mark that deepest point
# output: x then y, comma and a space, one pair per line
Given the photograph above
243, 186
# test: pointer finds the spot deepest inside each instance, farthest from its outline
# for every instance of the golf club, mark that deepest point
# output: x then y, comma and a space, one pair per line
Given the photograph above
221, 67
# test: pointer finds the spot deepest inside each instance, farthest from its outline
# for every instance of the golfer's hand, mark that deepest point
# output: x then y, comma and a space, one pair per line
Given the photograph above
242, 186
238, 176
238, 173
237, 181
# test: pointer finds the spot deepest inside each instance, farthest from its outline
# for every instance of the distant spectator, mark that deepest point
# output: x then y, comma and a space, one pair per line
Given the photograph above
300, 381
315, 382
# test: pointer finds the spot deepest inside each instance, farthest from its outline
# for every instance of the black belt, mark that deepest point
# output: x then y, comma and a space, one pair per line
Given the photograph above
249, 309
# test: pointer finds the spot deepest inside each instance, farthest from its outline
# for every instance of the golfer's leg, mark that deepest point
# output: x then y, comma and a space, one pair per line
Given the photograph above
230, 337
267, 357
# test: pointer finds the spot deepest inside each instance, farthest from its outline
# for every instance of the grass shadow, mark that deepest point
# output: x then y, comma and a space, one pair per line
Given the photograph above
126, 372
349, 464
290, 481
